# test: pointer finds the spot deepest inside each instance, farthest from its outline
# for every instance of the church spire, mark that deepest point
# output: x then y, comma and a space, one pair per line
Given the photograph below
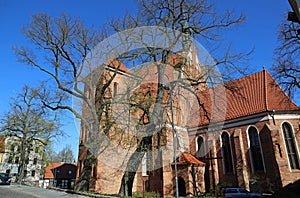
187, 34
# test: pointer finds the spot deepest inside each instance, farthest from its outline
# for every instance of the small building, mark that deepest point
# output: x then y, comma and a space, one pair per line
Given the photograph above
60, 175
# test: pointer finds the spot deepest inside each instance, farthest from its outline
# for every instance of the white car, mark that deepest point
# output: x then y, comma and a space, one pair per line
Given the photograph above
239, 192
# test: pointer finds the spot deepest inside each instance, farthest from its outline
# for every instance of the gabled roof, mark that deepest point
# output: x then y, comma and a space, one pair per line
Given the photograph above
187, 159
55, 165
260, 93
245, 96
48, 170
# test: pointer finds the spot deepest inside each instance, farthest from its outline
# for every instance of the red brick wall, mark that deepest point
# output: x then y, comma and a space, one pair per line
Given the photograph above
277, 172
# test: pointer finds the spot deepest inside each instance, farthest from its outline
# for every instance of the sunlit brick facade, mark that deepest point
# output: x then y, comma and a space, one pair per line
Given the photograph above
255, 143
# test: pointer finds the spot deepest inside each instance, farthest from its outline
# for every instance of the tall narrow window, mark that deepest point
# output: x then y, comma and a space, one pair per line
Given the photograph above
200, 148
94, 170
290, 146
35, 161
144, 165
226, 153
255, 150
115, 89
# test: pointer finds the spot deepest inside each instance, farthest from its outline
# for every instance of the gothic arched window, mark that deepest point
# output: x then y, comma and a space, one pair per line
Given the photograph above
255, 150
200, 148
226, 153
290, 146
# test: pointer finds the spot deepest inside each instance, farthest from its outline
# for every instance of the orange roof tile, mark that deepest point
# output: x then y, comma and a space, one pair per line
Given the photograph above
48, 172
252, 94
186, 158
113, 62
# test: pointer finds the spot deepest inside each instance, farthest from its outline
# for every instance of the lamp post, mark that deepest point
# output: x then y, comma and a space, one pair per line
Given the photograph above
174, 139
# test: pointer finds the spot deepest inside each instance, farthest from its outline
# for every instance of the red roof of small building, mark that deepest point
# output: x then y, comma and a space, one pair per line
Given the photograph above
186, 158
245, 96
48, 170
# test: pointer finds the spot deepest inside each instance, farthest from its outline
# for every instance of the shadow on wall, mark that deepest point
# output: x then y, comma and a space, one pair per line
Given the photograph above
291, 190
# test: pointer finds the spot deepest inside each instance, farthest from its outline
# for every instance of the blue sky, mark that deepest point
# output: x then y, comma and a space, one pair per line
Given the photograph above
259, 32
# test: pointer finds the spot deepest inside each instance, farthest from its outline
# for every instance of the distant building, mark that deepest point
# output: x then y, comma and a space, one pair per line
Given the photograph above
10, 158
60, 174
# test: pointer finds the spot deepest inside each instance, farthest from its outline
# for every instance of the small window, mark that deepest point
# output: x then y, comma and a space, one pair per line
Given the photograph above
35, 161
115, 89
10, 159
33, 173
200, 148
16, 160
25, 173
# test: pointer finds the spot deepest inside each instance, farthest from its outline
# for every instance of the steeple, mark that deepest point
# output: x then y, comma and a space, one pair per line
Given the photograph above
187, 34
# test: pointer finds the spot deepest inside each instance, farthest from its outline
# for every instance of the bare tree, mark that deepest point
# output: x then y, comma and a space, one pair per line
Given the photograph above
192, 20
29, 121
67, 45
286, 69
65, 155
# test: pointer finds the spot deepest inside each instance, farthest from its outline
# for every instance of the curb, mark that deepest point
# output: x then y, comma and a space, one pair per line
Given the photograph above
81, 193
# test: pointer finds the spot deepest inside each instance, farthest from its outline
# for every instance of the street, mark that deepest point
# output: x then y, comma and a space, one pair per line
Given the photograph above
21, 191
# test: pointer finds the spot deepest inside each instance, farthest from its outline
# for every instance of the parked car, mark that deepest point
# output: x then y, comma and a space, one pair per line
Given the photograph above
5, 178
239, 192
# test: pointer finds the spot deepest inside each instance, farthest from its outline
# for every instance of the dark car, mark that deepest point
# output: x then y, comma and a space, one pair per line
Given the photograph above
239, 192
4, 178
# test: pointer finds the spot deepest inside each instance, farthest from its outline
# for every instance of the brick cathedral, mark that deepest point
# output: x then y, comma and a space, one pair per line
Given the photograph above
250, 139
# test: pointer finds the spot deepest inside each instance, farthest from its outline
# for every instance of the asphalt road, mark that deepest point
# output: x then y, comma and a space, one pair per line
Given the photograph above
20, 191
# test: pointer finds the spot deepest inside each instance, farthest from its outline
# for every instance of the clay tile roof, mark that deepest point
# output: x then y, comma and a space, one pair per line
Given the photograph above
48, 172
186, 158
252, 94
113, 62
261, 93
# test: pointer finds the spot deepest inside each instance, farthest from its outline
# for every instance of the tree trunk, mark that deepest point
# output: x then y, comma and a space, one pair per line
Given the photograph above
133, 165
22, 160
84, 179
146, 143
